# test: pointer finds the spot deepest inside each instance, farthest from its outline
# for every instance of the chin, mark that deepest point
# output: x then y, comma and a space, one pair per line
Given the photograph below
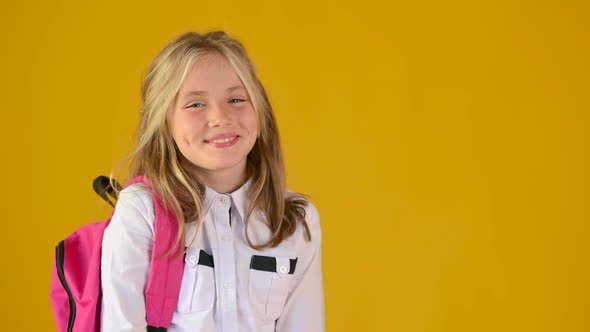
223, 165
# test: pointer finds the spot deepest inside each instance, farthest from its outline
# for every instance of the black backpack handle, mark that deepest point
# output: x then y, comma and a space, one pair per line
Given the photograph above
103, 186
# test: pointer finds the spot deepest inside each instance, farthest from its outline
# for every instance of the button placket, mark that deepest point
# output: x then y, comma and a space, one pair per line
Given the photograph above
226, 266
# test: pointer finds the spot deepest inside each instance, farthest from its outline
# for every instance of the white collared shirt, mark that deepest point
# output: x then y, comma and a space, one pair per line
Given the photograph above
237, 293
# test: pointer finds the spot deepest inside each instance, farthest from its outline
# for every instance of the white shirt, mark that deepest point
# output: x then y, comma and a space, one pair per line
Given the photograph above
230, 296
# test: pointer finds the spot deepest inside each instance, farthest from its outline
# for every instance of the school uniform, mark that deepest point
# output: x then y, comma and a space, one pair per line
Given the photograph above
226, 286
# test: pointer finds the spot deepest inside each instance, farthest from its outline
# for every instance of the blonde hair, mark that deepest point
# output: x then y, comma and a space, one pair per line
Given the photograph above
158, 158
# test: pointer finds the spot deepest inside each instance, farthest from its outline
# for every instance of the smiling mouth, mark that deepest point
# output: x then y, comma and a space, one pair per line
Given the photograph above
223, 142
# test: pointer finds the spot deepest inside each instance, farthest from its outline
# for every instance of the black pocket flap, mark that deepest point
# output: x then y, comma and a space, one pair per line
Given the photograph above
269, 264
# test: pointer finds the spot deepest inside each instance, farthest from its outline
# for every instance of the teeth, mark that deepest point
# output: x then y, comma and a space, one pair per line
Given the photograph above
224, 140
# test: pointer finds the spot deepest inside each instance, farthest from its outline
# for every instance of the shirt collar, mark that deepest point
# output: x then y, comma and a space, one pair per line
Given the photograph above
238, 198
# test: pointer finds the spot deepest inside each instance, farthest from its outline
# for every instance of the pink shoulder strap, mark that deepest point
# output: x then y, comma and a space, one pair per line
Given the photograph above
165, 277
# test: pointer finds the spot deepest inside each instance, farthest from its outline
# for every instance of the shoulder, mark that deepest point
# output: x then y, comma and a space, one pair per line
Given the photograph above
137, 194
308, 244
312, 215
134, 211
311, 218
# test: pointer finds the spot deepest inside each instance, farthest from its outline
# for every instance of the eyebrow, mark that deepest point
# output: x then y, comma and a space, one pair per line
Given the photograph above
200, 93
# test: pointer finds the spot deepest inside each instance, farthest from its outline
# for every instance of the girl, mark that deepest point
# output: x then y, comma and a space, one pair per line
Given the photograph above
209, 148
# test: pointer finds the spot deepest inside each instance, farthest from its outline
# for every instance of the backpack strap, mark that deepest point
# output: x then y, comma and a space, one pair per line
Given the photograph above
165, 276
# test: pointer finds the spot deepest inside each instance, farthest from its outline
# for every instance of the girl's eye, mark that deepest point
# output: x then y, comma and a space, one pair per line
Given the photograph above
196, 105
236, 100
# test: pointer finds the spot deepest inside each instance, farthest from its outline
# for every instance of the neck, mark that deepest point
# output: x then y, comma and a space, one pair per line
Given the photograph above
223, 181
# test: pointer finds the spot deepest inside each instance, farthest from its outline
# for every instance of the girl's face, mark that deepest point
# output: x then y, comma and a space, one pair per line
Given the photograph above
213, 121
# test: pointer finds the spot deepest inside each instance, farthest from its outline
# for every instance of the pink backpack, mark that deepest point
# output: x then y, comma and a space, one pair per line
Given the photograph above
75, 285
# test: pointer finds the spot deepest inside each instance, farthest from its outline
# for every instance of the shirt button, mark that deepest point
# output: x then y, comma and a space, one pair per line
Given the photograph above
227, 284
192, 259
224, 200
283, 269
226, 238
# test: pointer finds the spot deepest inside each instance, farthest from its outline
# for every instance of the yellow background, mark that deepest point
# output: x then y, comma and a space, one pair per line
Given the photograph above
445, 144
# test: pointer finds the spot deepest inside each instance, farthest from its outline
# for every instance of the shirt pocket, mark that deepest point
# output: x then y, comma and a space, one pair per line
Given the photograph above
197, 290
268, 284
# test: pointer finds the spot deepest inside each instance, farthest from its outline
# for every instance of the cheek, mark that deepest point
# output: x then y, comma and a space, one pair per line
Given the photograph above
255, 127
185, 129
251, 122
177, 129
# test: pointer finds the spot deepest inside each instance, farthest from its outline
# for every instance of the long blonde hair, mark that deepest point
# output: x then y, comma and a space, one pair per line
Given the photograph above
158, 158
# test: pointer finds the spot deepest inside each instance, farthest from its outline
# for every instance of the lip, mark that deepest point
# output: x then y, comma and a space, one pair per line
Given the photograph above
233, 140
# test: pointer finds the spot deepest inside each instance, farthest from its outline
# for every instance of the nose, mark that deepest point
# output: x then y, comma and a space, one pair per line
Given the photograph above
218, 115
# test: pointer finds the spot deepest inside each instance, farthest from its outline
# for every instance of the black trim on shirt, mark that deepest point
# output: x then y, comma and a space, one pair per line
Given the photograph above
205, 259
269, 264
